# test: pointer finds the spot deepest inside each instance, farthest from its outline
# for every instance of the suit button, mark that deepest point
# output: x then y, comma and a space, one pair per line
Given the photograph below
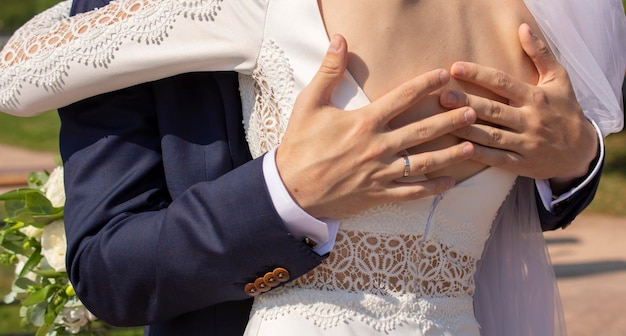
251, 289
270, 279
281, 274
260, 284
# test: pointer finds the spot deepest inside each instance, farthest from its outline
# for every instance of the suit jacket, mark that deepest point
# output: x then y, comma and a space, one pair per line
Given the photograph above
159, 221
167, 217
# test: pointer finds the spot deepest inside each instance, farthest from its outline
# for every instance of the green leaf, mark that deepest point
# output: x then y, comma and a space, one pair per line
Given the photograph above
17, 194
38, 203
55, 306
44, 329
7, 232
15, 248
24, 283
31, 263
42, 220
11, 207
50, 273
40, 296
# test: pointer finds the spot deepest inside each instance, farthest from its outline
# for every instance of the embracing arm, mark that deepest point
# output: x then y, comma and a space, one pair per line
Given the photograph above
141, 237
55, 60
545, 132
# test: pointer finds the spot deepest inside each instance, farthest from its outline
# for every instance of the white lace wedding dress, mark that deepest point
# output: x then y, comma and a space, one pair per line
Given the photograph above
399, 269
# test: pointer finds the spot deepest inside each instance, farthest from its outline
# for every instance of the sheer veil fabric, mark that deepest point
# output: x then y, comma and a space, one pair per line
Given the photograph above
516, 292
589, 40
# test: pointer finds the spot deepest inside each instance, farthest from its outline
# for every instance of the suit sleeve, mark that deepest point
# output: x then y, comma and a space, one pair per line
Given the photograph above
140, 236
565, 211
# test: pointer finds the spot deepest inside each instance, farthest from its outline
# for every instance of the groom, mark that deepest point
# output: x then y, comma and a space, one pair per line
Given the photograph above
171, 224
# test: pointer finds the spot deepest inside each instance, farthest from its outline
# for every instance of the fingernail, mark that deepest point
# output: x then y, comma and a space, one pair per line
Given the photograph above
467, 150
450, 97
468, 115
335, 44
459, 69
444, 77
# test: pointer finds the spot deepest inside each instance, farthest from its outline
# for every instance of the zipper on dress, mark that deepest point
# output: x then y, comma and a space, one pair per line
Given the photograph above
431, 214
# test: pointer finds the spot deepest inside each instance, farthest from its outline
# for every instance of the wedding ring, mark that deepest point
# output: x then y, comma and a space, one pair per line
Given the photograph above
407, 166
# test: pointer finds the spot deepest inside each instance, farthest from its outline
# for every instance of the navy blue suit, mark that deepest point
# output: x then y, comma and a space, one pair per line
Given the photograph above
167, 216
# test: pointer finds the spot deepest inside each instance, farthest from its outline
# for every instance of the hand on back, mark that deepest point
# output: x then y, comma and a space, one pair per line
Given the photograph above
335, 163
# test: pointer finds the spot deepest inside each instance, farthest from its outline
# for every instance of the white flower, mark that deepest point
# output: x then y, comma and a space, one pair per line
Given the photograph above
15, 291
54, 245
54, 188
31, 231
74, 316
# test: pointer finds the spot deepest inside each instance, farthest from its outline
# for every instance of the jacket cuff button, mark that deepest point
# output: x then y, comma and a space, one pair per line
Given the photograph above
251, 290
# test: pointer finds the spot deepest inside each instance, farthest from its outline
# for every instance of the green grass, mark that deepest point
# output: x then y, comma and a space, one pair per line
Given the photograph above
610, 196
38, 133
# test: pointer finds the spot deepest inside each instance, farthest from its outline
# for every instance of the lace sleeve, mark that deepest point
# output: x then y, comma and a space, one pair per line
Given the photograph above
54, 60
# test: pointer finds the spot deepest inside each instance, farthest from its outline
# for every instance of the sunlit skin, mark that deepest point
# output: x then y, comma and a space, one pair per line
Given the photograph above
391, 41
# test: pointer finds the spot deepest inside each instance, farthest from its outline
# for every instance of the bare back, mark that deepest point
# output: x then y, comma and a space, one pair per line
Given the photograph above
391, 41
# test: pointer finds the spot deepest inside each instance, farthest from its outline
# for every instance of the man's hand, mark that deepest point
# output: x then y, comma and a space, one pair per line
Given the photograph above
542, 133
335, 163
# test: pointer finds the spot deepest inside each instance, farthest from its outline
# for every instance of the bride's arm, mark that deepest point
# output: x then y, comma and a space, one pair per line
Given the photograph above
55, 60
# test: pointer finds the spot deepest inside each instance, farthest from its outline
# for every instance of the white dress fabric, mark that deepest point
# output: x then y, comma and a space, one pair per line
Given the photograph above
471, 261
398, 269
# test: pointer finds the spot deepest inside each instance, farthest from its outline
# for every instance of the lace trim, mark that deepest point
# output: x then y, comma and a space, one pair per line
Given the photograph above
267, 99
327, 310
42, 57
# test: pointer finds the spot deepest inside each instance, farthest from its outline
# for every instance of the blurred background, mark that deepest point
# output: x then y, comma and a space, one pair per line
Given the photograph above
589, 257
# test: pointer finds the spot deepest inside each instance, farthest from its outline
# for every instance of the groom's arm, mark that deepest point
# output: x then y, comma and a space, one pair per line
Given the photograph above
138, 254
541, 132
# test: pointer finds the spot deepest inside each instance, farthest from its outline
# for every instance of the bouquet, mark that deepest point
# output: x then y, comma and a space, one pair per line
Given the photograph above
32, 237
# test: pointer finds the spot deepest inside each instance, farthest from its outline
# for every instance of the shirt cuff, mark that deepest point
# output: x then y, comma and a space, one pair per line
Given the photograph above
545, 191
301, 225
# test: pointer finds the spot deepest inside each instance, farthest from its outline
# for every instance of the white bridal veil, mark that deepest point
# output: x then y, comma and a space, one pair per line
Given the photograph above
516, 293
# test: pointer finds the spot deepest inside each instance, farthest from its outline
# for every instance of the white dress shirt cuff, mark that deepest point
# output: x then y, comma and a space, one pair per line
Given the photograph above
298, 222
545, 191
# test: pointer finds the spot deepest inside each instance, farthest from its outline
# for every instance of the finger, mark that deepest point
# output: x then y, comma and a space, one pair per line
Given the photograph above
486, 109
492, 137
539, 53
502, 159
406, 191
333, 66
428, 162
496, 81
407, 94
430, 128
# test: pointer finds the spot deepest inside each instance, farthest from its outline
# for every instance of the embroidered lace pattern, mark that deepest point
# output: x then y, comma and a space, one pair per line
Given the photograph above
386, 271
143, 21
267, 99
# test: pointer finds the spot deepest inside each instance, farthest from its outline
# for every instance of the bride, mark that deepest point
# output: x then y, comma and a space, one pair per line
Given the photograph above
469, 261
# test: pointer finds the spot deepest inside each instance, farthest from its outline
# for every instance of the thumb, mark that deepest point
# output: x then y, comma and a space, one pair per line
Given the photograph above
330, 72
539, 52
